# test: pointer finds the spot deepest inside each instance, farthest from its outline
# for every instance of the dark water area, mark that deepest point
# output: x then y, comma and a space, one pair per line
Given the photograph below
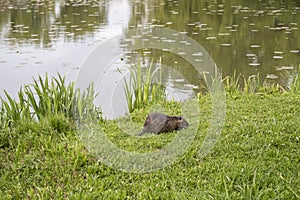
247, 37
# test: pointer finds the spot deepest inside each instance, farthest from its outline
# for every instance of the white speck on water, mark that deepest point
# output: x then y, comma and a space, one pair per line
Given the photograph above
181, 53
197, 54
223, 34
211, 38
271, 76
255, 46
226, 45
284, 68
179, 80
278, 52
254, 64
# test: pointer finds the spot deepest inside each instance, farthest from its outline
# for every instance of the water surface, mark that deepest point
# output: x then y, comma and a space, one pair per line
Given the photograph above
248, 37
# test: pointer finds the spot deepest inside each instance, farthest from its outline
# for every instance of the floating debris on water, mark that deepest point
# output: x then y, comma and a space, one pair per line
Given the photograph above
179, 80
183, 42
147, 52
277, 57
254, 64
223, 34
211, 38
188, 85
250, 54
181, 53
197, 54
295, 51
255, 46
271, 76
278, 52
174, 12
284, 68
226, 45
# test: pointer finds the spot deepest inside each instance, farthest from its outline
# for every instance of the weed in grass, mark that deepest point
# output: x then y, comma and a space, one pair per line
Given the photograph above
141, 91
294, 84
232, 83
45, 98
253, 84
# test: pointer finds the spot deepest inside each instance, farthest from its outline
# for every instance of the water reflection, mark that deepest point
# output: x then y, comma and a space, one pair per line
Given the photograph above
249, 37
39, 37
43, 23
243, 36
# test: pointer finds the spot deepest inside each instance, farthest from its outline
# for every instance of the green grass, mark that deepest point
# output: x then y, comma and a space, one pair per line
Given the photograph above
256, 157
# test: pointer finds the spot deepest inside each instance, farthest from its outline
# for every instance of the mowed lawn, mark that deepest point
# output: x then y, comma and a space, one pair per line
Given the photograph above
256, 157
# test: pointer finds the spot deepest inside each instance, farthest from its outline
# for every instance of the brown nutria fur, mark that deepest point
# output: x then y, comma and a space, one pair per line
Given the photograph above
159, 123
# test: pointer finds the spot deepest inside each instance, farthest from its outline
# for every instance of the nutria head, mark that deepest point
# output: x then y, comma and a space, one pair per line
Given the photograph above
182, 123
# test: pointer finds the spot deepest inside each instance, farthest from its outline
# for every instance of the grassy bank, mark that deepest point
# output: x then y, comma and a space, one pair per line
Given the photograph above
256, 157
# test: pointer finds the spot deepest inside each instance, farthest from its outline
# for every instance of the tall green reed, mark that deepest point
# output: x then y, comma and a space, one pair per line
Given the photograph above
46, 98
141, 90
232, 83
294, 84
253, 84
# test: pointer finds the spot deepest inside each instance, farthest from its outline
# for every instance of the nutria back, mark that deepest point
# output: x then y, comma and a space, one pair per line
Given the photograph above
159, 123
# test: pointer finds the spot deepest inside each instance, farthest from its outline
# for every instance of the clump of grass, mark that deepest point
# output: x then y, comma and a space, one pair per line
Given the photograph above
141, 91
45, 98
253, 84
12, 110
232, 83
294, 85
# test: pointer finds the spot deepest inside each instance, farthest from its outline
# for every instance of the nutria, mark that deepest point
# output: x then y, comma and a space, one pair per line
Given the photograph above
159, 123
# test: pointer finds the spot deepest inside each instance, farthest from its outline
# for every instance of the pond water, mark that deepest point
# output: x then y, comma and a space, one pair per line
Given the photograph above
247, 37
